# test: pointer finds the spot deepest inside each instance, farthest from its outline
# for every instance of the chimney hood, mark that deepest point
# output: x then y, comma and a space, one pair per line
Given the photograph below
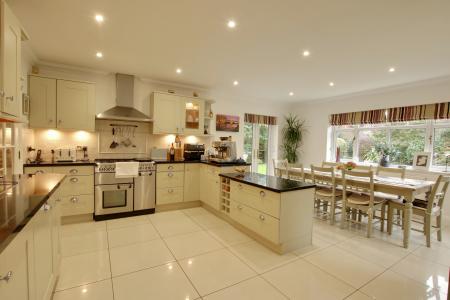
124, 109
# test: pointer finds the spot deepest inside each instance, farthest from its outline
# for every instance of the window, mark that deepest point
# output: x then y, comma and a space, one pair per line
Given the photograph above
402, 140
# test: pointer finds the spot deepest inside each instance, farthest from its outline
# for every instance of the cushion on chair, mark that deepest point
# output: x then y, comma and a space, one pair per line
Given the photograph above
327, 192
420, 203
363, 199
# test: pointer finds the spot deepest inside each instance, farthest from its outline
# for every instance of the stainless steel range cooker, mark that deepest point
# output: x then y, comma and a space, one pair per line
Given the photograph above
121, 197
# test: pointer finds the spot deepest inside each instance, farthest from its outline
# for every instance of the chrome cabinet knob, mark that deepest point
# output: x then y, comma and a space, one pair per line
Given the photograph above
7, 277
170, 174
74, 180
262, 218
39, 172
74, 199
170, 168
262, 194
73, 171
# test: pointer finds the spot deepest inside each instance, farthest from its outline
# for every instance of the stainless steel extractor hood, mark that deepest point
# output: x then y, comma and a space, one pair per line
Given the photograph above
124, 109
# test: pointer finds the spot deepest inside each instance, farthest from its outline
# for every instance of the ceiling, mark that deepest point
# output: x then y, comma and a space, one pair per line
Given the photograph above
352, 42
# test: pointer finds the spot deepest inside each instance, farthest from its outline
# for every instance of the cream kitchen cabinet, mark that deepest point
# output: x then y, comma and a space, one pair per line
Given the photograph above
169, 183
193, 116
62, 104
10, 85
192, 182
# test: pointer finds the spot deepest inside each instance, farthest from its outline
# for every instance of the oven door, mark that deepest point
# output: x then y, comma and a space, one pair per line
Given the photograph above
113, 198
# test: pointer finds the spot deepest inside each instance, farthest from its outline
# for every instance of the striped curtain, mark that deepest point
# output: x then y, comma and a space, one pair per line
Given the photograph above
359, 117
260, 119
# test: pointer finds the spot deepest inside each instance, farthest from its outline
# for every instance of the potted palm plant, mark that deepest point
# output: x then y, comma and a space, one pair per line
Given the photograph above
292, 136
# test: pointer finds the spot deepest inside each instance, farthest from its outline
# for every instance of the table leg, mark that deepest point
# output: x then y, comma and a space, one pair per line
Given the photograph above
407, 222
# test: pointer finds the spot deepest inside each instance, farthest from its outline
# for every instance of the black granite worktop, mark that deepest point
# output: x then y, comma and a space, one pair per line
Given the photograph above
61, 164
268, 182
20, 202
211, 163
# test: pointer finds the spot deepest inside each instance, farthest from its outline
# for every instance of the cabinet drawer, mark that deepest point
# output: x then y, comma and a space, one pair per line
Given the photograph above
192, 167
169, 167
260, 199
169, 195
169, 179
261, 223
77, 205
77, 185
74, 170
34, 170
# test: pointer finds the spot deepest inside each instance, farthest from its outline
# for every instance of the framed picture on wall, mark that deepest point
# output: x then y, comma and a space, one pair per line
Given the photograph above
422, 160
227, 123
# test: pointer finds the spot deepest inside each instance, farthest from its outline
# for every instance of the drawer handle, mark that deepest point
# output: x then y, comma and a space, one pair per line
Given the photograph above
74, 180
170, 167
7, 277
73, 171
262, 218
262, 194
39, 172
74, 199
170, 174
170, 191
46, 207
239, 207
240, 186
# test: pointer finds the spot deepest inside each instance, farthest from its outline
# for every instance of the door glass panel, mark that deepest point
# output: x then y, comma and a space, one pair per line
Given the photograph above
256, 146
114, 198
248, 142
263, 148
192, 116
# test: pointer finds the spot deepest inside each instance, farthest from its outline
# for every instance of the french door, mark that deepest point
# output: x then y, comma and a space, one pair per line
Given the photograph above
256, 146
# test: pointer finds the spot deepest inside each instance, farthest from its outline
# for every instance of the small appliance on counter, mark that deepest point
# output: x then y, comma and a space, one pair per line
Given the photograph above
193, 152
226, 151
65, 154
82, 153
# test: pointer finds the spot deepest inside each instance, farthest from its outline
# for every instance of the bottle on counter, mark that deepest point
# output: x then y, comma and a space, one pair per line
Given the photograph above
172, 153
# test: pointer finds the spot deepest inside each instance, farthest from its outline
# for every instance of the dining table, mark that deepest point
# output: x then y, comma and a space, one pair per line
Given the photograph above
407, 189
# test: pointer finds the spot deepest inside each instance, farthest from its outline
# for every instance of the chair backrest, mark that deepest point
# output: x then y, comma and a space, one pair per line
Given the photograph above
327, 164
358, 182
299, 172
391, 172
323, 177
438, 192
280, 167
362, 168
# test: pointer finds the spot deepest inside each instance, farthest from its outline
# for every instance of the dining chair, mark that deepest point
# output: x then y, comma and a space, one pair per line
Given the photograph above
362, 168
328, 164
281, 168
431, 207
359, 195
326, 192
299, 173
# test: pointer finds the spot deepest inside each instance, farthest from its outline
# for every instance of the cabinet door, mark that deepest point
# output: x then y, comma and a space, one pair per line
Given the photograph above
55, 203
43, 252
192, 182
166, 111
75, 105
192, 113
14, 261
11, 61
37, 170
77, 185
42, 102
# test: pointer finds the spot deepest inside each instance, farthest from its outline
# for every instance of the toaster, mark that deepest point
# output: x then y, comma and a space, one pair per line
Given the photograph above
65, 154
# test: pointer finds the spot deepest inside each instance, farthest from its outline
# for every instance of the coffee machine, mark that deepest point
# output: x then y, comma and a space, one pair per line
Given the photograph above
226, 151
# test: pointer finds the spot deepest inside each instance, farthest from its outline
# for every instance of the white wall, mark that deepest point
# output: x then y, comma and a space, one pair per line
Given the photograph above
315, 113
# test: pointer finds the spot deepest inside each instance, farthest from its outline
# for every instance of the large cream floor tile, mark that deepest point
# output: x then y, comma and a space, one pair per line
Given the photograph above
139, 256
358, 296
426, 272
255, 288
195, 211
302, 280
81, 228
392, 286
131, 235
124, 222
163, 282
260, 258
101, 290
375, 250
228, 235
215, 270
83, 269
436, 253
208, 221
82, 243
169, 224
332, 233
192, 244
317, 244
345, 266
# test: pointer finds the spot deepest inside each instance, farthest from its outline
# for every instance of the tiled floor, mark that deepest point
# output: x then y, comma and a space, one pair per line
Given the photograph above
192, 254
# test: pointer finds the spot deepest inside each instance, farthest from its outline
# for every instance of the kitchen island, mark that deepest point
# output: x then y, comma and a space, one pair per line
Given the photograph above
277, 212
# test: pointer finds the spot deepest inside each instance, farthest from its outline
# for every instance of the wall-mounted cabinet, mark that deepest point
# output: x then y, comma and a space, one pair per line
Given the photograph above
62, 104
176, 114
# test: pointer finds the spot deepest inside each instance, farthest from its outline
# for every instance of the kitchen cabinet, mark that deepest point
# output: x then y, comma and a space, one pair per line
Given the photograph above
55, 203
169, 183
192, 182
62, 104
42, 102
193, 116
11, 38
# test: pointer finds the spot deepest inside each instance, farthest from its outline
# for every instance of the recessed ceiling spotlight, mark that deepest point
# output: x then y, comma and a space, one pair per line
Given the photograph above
179, 71
331, 83
306, 53
99, 54
291, 93
231, 24
99, 18
235, 82
391, 70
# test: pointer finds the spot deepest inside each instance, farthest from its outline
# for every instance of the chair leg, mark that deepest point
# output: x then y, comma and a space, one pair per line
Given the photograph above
439, 227
369, 222
428, 229
390, 217
332, 211
383, 215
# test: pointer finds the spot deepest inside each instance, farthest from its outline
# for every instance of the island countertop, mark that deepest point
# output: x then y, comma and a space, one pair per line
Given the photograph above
268, 182
20, 202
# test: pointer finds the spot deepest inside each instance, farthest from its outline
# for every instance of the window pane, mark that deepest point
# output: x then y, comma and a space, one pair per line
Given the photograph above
441, 147
344, 140
370, 142
405, 144
248, 141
